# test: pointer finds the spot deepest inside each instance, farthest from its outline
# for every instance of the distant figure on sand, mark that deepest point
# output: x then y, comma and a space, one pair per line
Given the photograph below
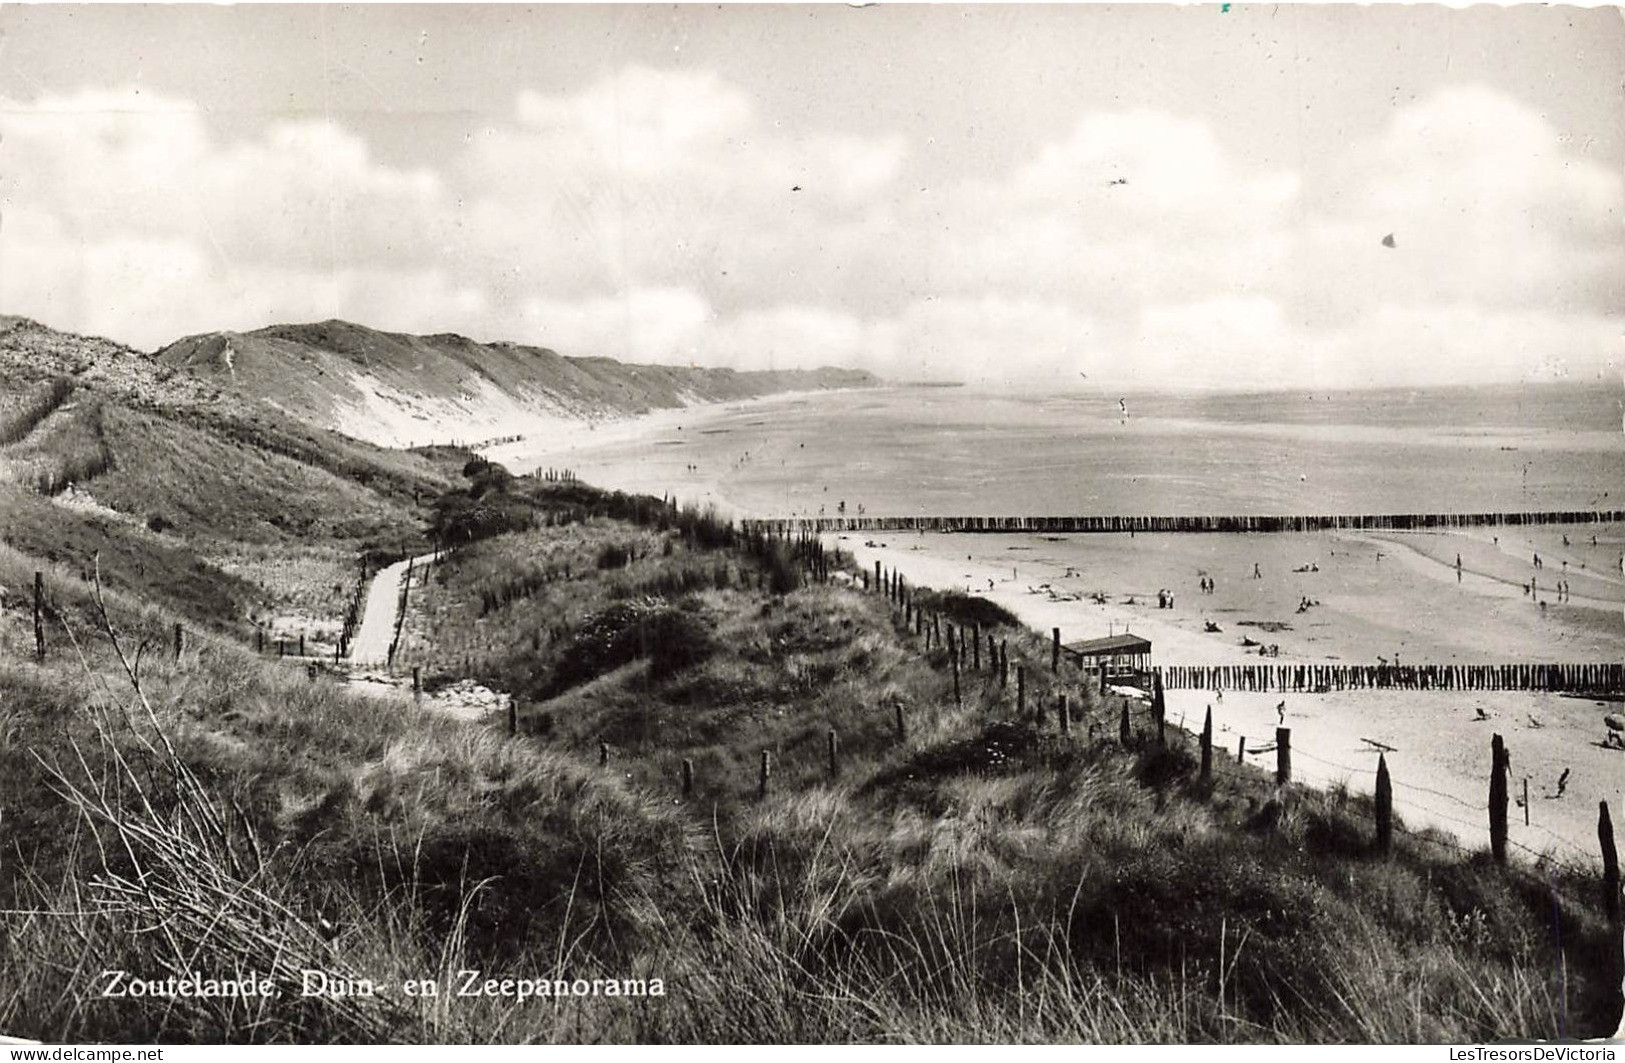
1280, 712
1563, 782
1257, 574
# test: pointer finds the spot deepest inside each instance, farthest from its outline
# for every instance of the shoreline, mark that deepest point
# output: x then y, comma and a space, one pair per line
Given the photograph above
1385, 593
552, 442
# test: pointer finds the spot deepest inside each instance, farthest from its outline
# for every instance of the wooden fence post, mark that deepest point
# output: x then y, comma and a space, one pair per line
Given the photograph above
513, 717
766, 773
180, 641
1159, 708
39, 616
953, 655
1021, 690
301, 645
603, 754
1283, 755
417, 681
1004, 662
976, 647
1385, 807
1498, 799
1055, 650
1526, 800
1064, 714
833, 743
1207, 746
1103, 675
1241, 749
1610, 865
902, 732
688, 775
1122, 724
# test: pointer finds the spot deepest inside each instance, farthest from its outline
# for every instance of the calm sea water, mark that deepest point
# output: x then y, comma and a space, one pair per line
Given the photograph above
951, 451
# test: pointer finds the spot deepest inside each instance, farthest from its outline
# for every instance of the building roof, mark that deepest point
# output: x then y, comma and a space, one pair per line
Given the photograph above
1109, 646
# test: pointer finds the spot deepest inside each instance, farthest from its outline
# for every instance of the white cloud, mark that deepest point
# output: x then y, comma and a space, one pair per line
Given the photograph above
660, 215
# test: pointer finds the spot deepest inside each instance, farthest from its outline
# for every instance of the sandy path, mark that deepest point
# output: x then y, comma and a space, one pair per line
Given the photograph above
377, 628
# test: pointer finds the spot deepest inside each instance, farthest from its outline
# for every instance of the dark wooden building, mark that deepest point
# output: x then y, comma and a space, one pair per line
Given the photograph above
1121, 653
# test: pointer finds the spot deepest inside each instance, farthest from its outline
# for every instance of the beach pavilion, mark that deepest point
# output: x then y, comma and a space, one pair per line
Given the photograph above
1120, 653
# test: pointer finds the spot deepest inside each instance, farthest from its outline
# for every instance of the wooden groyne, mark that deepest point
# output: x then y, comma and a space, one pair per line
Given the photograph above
1151, 524
1596, 678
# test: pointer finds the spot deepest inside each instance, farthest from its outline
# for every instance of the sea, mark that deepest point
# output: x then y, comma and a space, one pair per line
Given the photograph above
928, 450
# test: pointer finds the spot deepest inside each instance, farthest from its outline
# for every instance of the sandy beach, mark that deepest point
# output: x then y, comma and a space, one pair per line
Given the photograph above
1319, 597
1366, 612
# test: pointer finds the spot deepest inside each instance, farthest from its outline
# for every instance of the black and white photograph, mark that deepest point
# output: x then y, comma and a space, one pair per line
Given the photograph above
811, 524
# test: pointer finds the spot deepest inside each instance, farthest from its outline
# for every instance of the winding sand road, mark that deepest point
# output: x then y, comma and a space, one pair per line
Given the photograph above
377, 628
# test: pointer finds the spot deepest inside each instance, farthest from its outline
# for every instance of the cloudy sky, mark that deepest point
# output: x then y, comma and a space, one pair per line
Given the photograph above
1147, 195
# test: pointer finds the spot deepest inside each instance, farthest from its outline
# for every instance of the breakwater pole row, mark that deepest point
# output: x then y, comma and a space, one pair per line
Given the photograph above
1190, 523
1588, 678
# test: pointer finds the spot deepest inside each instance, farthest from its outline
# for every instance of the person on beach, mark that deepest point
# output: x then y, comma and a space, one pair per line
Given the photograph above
1257, 574
1563, 782
1280, 713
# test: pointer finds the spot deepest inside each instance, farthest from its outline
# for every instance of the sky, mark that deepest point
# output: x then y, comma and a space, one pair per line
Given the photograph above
1090, 195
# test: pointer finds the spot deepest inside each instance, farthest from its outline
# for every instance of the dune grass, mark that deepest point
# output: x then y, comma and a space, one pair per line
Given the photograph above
979, 878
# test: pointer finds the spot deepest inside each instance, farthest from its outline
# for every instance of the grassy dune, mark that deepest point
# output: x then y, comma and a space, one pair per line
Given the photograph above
980, 879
